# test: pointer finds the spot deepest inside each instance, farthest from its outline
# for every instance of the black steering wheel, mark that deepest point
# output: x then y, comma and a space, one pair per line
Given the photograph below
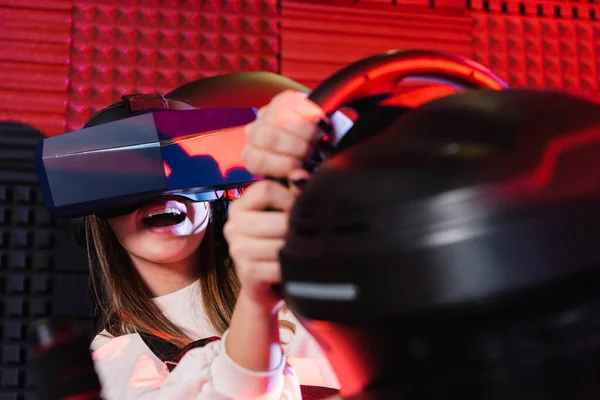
378, 76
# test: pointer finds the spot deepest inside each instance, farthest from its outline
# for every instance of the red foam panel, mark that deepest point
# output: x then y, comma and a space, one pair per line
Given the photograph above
553, 9
540, 52
34, 59
124, 47
317, 39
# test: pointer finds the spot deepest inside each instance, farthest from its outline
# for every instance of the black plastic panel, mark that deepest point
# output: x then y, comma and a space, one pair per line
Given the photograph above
42, 271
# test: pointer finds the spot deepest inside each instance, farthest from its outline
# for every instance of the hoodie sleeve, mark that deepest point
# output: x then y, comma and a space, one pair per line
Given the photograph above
129, 370
209, 373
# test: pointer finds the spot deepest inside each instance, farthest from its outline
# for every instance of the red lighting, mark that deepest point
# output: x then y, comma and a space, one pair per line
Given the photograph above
413, 94
545, 169
225, 147
167, 169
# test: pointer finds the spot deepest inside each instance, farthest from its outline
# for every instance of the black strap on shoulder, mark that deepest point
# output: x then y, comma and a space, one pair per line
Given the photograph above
167, 352
163, 350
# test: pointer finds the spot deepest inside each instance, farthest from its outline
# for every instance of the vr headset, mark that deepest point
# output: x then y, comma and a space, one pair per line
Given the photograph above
111, 168
139, 149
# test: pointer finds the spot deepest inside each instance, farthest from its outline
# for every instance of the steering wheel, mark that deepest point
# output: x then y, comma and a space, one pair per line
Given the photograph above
378, 77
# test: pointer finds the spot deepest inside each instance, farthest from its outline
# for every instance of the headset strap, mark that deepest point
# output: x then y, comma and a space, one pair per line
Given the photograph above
141, 102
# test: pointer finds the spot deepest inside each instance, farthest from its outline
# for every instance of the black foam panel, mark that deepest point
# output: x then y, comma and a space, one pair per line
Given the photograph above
42, 270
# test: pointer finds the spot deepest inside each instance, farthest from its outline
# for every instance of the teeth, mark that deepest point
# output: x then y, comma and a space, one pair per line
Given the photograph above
168, 210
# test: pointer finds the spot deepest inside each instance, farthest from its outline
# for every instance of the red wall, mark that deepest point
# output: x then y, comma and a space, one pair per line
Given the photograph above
61, 60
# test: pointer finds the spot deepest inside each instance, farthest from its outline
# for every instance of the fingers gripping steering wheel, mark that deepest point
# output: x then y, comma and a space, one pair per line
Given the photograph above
379, 75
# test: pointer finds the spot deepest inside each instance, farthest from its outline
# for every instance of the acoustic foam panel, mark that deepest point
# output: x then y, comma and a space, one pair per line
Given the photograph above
34, 56
540, 52
42, 272
155, 46
317, 39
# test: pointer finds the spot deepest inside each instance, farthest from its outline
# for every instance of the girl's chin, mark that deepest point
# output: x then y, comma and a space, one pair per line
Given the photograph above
168, 253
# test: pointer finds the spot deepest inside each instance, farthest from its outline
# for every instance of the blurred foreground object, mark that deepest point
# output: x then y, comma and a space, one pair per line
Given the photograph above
455, 251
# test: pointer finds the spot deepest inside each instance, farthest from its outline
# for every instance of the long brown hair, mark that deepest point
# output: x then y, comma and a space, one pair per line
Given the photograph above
125, 300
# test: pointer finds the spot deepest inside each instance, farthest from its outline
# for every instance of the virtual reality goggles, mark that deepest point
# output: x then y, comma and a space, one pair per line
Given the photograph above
112, 168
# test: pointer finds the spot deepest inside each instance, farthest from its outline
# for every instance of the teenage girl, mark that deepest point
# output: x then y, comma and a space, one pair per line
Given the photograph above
172, 275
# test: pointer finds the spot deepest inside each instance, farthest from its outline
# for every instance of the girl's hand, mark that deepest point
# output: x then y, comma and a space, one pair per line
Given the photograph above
277, 141
255, 237
281, 136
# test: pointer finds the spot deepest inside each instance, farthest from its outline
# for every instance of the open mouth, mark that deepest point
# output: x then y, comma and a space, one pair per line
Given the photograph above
167, 216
